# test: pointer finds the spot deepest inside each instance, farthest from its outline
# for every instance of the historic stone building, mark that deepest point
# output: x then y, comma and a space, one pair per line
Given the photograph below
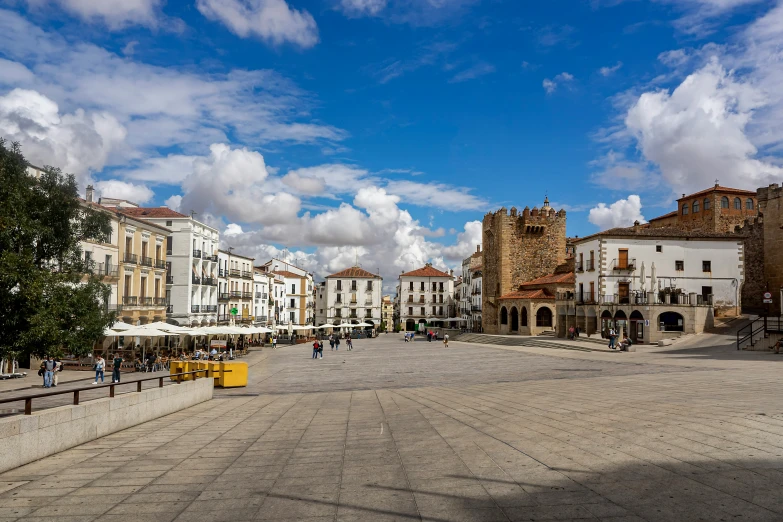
714, 210
764, 252
518, 248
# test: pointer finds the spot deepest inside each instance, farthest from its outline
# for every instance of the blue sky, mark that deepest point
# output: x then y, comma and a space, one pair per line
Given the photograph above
387, 128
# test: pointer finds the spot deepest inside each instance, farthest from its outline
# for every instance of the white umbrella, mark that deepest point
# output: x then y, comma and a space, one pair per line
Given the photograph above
653, 280
119, 325
642, 281
304, 327
138, 331
166, 327
364, 324
344, 325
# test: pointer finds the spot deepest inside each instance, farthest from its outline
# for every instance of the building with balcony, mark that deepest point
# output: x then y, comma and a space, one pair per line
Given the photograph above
387, 313
102, 255
235, 287
190, 267
263, 302
653, 282
142, 270
297, 304
426, 296
353, 295
469, 303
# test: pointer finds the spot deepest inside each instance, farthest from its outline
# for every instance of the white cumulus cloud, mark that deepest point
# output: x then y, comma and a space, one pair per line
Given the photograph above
79, 142
621, 213
115, 188
273, 21
115, 14
563, 78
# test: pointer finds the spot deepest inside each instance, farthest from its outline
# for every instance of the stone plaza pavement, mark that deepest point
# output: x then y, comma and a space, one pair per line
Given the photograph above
412, 431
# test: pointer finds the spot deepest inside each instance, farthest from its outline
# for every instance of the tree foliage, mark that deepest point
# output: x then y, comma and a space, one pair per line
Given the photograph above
48, 305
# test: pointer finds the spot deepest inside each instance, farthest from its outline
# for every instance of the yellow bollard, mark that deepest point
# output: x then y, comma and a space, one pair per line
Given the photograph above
232, 374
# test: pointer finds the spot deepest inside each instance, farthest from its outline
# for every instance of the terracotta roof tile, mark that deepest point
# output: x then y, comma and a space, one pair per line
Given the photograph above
665, 216
528, 294
718, 188
567, 278
663, 232
286, 273
149, 212
426, 271
355, 272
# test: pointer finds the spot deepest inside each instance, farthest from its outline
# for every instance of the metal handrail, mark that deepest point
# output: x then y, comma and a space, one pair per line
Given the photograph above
28, 399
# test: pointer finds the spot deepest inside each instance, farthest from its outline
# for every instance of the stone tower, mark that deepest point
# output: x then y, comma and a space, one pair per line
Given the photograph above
518, 248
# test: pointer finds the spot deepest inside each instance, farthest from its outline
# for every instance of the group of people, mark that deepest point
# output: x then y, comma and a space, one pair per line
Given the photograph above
573, 332
100, 367
431, 335
334, 344
623, 345
49, 370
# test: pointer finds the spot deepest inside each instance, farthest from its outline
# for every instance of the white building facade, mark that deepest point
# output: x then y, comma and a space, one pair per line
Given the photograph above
653, 283
262, 283
470, 295
426, 296
191, 257
298, 304
353, 295
235, 287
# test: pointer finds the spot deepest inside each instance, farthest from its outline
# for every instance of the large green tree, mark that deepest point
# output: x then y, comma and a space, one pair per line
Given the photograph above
47, 303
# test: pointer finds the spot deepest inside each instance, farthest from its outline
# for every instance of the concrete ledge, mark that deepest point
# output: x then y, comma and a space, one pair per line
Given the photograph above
27, 438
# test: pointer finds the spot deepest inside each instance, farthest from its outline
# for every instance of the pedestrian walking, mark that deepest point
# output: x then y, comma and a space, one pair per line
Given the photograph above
274, 342
117, 364
337, 343
777, 346
429, 336
446, 340
315, 349
571, 333
320, 349
331, 341
100, 366
48, 367
349, 342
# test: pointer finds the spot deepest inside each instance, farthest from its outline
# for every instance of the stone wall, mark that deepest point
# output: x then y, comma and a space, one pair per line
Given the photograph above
753, 261
771, 208
518, 247
27, 438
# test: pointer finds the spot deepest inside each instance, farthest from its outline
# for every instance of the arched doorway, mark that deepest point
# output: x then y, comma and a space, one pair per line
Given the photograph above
671, 322
637, 327
503, 315
621, 323
544, 317
514, 319
524, 316
410, 325
606, 323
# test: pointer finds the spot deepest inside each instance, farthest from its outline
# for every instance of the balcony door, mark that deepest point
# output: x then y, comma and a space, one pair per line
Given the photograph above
623, 260
143, 289
623, 293
127, 287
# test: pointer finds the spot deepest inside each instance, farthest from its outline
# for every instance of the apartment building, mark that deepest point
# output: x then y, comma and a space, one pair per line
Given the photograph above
235, 287
387, 313
354, 296
297, 305
191, 275
263, 304
103, 255
425, 297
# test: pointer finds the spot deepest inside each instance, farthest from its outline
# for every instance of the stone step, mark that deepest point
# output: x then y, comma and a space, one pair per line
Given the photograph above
503, 340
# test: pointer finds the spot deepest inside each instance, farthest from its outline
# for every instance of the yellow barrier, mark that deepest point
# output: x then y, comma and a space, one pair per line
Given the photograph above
177, 367
232, 374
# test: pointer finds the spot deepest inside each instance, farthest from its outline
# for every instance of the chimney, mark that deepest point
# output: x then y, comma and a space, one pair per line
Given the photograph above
478, 248
90, 193
636, 226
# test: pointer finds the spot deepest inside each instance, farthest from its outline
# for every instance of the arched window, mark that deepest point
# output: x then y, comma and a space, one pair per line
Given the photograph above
503, 316
706, 203
544, 317
724, 202
695, 207
749, 204
685, 209
671, 322
524, 316
737, 204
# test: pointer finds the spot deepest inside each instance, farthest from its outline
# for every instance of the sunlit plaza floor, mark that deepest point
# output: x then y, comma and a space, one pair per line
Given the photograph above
415, 431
